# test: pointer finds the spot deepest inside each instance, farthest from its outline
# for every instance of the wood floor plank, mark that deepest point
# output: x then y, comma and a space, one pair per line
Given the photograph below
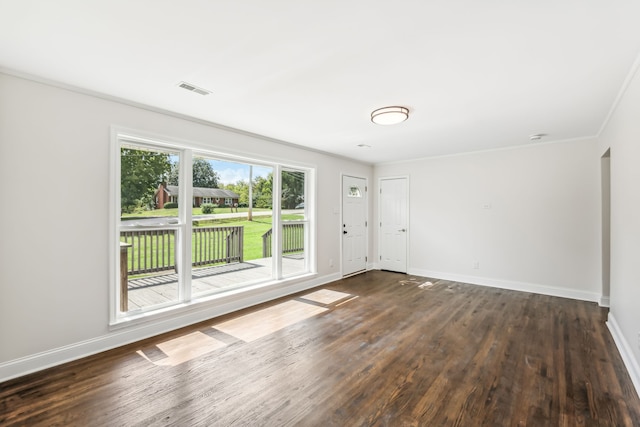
396, 355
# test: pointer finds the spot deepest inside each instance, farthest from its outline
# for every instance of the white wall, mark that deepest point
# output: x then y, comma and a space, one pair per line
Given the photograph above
530, 216
54, 175
622, 135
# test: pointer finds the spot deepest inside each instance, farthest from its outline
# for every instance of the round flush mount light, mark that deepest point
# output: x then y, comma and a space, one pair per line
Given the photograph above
537, 137
389, 115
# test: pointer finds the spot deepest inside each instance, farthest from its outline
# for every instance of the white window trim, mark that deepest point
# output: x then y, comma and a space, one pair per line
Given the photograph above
188, 150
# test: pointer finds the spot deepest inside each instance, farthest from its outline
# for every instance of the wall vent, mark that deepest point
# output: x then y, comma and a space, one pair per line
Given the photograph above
193, 88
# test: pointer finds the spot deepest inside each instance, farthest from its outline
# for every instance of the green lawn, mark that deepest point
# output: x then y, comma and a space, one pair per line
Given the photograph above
174, 212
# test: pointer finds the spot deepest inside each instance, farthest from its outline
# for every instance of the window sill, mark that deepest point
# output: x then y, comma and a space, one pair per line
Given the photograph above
226, 302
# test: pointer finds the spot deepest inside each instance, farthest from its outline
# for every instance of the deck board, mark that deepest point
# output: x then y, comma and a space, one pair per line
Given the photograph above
163, 288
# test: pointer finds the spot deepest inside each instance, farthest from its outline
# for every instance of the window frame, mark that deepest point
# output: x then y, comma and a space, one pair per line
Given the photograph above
188, 150
305, 221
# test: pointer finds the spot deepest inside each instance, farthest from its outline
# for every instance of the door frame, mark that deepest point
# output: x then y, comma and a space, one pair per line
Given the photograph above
367, 266
408, 217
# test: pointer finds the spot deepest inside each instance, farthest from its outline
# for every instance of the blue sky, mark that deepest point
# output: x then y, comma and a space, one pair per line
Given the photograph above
231, 172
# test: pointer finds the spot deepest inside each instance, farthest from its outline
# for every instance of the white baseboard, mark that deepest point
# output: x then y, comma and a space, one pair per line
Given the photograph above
116, 338
511, 285
126, 335
628, 358
514, 286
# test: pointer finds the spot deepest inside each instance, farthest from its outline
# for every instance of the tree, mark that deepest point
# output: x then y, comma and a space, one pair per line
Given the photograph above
141, 171
174, 174
203, 174
292, 189
262, 191
242, 189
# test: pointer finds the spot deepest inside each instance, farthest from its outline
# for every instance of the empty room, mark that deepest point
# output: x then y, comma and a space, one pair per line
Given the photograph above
319, 213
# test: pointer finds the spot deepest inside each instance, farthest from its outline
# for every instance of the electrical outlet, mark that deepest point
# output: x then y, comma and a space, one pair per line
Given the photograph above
476, 265
330, 262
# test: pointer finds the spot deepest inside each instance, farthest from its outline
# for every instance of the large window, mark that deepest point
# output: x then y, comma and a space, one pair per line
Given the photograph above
172, 253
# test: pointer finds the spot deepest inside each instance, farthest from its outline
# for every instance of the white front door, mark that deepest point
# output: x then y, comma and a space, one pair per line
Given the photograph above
354, 225
393, 224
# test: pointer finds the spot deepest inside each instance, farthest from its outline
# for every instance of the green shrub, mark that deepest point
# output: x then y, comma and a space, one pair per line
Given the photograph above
207, 208
171, 205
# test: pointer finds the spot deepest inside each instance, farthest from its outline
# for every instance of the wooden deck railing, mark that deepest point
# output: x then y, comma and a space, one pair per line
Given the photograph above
292, 239
154, 250
217, 244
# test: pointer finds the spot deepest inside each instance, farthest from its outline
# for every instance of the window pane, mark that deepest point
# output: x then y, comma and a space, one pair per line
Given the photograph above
354, 191
230, 242
149, 235
294, 227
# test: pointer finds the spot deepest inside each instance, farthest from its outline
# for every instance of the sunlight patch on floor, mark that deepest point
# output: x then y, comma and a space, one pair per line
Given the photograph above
185, 348
253, 326
326, 296
247, 328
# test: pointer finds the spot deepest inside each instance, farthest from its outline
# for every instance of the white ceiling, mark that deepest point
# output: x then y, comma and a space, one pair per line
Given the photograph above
475, 75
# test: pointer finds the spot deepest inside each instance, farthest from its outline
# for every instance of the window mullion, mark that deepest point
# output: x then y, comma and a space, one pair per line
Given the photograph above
277, 222
185, 214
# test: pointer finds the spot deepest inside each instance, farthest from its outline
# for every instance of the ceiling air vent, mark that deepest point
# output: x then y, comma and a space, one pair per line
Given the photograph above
192, 88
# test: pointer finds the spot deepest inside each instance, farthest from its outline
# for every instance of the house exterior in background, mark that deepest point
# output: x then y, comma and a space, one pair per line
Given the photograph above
217, 196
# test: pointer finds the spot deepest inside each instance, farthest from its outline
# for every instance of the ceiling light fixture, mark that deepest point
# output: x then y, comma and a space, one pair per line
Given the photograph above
389, 115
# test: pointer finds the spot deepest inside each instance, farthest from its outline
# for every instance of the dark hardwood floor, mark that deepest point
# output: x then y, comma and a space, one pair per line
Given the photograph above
448, 354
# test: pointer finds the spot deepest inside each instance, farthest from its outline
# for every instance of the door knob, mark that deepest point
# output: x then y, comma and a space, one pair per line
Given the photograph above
403, 230
344, 232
